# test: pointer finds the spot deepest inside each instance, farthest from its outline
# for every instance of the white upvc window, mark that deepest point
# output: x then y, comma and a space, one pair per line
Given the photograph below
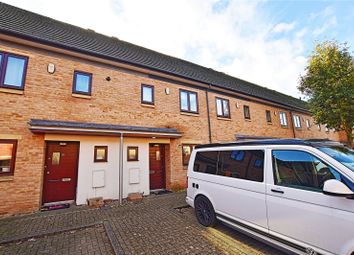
297, 121
283, 120
308, 123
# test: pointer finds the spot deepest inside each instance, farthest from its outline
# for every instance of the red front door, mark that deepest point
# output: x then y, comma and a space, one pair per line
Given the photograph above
60, 171
157, 166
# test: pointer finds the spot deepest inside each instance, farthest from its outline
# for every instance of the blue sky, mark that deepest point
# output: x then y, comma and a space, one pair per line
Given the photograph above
326, 19
265, 42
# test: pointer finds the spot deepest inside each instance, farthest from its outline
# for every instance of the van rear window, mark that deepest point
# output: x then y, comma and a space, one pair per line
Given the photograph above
206, 162
241, 164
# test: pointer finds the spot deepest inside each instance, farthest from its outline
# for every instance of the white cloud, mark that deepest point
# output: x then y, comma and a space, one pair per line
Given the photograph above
329, 23
233, 38
283, 27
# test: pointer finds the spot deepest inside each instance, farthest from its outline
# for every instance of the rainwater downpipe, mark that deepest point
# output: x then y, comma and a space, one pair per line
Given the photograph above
292, 123
120, 181
208, 112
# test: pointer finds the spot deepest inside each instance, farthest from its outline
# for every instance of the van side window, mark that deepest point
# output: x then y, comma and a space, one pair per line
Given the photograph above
242, 164
206, 162
301, 170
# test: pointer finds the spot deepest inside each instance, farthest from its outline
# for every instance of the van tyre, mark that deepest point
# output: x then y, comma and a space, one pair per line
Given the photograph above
204, 211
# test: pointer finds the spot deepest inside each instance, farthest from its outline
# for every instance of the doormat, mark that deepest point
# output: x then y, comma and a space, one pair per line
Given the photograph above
161, 192
54, 207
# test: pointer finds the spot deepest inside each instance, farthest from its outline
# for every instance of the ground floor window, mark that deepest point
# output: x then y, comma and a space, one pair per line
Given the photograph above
133, 153
7, 156
101, 154
186, 153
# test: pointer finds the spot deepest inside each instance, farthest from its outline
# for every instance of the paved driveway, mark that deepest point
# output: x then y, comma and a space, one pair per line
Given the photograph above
152, 226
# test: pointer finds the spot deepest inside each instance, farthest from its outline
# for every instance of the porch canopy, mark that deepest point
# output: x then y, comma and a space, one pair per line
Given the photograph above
86, 128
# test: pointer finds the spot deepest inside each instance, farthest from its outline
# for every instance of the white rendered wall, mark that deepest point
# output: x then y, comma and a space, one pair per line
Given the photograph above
133, 168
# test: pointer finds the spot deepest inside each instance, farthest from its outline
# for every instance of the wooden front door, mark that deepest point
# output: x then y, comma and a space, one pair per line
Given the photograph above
60, 171
157, 166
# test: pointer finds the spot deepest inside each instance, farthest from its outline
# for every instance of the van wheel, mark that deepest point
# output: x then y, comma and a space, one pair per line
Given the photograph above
204, 211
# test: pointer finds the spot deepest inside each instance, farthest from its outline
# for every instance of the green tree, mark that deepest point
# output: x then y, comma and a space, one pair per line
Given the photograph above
329, 84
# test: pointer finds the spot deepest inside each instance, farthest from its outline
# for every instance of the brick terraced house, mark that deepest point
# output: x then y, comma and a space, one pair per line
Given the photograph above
86, 115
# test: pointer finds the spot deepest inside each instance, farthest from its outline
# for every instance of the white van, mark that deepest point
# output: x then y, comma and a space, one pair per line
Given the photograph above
295, 194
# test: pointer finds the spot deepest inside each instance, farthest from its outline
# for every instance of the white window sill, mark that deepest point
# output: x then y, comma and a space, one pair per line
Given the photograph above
12, 91
81, 96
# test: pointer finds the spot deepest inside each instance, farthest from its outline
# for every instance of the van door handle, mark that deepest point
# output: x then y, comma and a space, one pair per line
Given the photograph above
277, 191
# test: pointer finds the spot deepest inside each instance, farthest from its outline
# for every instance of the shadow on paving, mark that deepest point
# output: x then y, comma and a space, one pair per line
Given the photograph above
152, 226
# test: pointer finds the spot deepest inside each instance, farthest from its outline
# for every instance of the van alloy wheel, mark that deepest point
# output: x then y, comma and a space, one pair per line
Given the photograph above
205, 212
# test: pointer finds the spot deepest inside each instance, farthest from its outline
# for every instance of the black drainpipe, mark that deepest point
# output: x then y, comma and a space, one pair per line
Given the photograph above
208, 112
292, 123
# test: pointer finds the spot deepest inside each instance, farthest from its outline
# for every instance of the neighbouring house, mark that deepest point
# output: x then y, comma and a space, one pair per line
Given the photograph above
86, 115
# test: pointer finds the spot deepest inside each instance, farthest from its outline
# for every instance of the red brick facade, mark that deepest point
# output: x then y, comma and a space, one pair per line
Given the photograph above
118, 101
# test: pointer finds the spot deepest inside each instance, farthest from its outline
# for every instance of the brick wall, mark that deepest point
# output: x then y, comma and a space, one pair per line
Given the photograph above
49, 96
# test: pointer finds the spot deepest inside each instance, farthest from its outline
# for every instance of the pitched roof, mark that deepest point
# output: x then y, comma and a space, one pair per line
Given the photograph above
35, 27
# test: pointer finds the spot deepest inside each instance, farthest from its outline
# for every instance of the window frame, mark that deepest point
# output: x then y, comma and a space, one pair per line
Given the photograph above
222, 107
152, 94
96, 148
244, 112
308, 123
3, 68
188, 101
297, 120
74, 91
268, 114
13, 155
136, 148
191, 146
285, 119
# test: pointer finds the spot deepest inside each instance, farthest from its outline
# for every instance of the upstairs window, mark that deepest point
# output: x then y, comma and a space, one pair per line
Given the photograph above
283, 119
246, 112
7, 156
297, 121
268, 116
308, 123
222, 108
147, 94
188, 101
12, 71
82, 83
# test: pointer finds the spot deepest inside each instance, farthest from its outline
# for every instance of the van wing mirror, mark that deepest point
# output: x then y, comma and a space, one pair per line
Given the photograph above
334, 187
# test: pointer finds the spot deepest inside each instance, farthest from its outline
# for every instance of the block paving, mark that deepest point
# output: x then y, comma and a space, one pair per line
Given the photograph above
152, 226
